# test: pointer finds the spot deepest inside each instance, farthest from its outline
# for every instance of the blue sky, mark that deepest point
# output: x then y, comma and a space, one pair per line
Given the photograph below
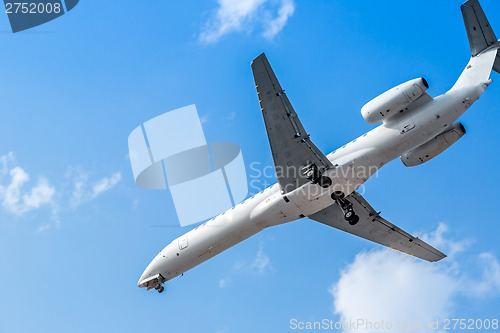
76, 232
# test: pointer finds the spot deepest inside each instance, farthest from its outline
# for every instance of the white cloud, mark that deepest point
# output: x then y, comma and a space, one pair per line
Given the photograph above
106, 184
85, 190
385, 285
40, 195
79, 193
488, 284
261, 263
135, 203
18, 201
439, 241
231, 116
230, 16
236, 15
224, 282
5, 161
204, 119
44, 227
278, 23
18, 196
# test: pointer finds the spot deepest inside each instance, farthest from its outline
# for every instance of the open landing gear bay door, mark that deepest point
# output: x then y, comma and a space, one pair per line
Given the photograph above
290, 144
151, 282
373, 227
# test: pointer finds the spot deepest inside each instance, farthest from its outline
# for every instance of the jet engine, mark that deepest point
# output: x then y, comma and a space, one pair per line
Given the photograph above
434, 147
384, 106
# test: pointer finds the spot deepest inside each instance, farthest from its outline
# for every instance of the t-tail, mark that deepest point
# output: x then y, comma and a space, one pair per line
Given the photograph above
484, 47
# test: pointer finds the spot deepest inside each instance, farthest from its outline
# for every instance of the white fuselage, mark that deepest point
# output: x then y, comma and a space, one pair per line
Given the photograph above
354, 164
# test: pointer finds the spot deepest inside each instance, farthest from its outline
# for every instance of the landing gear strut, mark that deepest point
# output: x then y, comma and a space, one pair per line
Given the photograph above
346, 206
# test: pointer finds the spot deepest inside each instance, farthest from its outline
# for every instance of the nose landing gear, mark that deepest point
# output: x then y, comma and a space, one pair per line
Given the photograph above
346, 206
159, 288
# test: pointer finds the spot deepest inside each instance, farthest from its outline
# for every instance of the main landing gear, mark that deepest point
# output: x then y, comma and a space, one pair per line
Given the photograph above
313, 174
344, 204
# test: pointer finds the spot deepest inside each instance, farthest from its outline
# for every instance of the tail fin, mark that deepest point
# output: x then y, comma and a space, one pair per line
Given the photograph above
483, 45
479, 31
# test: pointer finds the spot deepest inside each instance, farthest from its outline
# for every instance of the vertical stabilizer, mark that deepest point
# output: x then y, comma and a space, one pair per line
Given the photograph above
479, 31
483, 45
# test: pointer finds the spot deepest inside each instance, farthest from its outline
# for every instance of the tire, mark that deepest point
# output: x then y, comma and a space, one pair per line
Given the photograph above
337, 195
325, 182
354, 220
349, 215
161, 289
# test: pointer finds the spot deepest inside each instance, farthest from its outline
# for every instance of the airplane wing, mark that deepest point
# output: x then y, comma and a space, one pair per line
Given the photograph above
376, 229
291, 146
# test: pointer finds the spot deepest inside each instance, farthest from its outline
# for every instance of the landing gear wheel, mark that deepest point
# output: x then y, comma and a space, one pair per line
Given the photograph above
337, 195
161, 289
354, 220
325, 182
349, 215
346, 207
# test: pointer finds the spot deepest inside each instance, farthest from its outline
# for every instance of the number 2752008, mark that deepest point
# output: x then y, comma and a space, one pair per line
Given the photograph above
32, 8
470, 324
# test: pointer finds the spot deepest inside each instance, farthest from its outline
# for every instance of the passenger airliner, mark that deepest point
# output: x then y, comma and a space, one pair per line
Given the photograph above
415, 128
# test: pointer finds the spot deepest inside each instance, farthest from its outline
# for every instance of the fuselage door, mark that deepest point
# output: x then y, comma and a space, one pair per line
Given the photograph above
183, 242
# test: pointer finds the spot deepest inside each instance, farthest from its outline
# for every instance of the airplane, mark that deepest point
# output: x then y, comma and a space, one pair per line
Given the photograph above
415, 128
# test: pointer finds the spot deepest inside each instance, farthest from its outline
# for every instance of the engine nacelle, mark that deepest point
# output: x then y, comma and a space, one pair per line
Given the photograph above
434, 147
384, 106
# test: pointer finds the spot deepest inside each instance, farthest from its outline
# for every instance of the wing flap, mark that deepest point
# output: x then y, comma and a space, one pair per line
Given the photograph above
376, 229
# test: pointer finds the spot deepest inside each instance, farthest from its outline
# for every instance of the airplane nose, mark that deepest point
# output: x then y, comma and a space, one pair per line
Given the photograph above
152, 270
143, 277
148, 272
141, 280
